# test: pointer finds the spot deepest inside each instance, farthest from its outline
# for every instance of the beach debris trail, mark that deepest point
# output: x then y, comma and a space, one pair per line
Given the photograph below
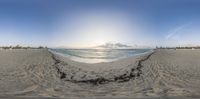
100, 78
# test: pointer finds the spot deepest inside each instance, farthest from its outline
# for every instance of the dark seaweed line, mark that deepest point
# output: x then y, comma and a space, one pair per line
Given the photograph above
135, 72
62, 74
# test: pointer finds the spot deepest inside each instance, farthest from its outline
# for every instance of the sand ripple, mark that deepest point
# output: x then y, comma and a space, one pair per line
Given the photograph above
39, 73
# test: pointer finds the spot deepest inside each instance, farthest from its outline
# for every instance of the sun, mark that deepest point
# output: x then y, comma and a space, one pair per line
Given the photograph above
93, 29
100, 42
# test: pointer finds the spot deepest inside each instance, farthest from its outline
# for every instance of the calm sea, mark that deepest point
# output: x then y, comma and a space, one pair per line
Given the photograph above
99, 55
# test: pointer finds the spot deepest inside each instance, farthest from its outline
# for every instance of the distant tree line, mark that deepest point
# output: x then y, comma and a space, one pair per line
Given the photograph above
195, 47
22, 47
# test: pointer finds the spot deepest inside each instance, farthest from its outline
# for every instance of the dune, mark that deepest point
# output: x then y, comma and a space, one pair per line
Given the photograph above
40, 73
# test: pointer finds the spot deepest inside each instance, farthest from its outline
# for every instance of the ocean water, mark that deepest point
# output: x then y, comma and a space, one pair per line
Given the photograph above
99, 55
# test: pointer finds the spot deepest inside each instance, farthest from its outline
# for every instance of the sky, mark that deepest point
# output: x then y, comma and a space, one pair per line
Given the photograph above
87, 23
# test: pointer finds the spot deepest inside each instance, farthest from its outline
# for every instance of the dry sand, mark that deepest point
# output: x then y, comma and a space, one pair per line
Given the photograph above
39, 73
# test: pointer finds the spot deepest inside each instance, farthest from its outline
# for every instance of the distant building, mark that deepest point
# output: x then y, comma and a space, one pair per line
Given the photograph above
193, 48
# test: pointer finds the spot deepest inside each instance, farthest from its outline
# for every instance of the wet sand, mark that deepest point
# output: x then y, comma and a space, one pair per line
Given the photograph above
40, 73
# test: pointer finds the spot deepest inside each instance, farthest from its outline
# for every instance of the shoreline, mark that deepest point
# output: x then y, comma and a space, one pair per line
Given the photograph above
111, 60
134, 71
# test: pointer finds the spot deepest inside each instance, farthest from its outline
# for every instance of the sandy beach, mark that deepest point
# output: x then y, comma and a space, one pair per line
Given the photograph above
40, 73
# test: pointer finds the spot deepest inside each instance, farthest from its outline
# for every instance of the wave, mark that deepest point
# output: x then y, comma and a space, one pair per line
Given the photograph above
99, 55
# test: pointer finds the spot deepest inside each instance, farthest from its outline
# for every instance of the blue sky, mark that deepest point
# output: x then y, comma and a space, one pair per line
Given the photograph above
85, 23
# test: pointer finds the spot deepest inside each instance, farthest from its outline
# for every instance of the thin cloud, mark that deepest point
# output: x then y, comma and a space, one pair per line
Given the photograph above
175, 32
